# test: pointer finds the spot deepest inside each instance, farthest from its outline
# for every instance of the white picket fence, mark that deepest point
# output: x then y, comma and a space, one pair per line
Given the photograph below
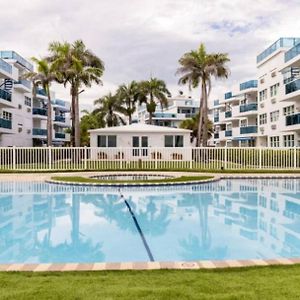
205, 158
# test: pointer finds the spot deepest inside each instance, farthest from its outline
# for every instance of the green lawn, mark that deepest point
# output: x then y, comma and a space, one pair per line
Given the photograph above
278, 282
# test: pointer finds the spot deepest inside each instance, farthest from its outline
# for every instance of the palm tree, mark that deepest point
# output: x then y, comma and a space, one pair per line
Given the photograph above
192, 124
80, 68
129, 95
110, 107
151, 90
43, 78
197, 68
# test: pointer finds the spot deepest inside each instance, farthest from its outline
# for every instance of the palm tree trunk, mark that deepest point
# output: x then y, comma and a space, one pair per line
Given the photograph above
49, 117
77, 121
204, 113
129, 119
200, 123
73, 117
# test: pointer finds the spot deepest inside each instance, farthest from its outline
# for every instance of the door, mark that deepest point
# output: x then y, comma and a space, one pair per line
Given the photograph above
140, 143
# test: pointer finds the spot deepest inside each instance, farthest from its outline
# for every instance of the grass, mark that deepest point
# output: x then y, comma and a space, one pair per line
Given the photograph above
277, 282
78, 179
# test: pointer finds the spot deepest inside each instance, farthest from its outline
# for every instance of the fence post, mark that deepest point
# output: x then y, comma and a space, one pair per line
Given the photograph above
191, 157
260, 150
49, 158
295, 157
14, 158
225, 158
85, 157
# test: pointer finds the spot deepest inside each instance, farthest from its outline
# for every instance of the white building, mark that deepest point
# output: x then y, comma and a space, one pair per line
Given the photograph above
23, 119
271, 117
167, 143
179, 108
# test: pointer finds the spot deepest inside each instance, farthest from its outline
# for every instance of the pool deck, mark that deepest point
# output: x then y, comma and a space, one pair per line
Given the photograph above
180, 265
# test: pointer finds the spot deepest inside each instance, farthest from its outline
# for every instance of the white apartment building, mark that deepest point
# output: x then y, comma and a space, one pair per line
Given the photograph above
271, 115
23, 120
179, 108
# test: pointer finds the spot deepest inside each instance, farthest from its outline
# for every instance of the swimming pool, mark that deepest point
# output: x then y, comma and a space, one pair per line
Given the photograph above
227, 219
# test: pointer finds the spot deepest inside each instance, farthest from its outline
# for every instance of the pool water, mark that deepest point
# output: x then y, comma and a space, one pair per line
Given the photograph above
228, 219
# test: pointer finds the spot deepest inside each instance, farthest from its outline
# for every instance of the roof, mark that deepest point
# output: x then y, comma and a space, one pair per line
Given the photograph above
140, 127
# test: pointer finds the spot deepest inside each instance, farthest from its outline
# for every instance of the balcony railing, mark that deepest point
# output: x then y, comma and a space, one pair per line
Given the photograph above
293, 52
292, 120
216, 135
228, 132
15, 56
39, 111
41, 92
60, 119
216, 119
39, 131
5, 123
60, 135
248, 129
292, 86
228, 95
216, 102
248, 107
248, 85
228, 114
5, 66
58, 102
5, 95
24, 82
164, 115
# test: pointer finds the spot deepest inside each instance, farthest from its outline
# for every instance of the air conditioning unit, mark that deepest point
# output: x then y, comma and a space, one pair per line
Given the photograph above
273, 127
262, 105
273, 74
273, 100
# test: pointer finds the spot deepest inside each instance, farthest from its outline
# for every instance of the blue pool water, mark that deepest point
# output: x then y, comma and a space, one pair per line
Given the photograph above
229, 219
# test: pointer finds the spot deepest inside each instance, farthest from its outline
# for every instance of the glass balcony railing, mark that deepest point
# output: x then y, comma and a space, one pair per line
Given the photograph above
5, 66
24, 82
228, 133
292, 86
5, 123
60, 135
293, 52
228, 114
216, 119
15, 56
164, 115
248, 107
39, 111
292, 120
216, 102
5, 95
248, 129
248, 85
216, 135
39, 131
281, 43
41, 92
228, 95
58, 102
60, 119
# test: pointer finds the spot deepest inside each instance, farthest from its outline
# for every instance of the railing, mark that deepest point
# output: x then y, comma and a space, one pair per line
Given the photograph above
39, 111
248, 107
293, 52
216, 102
228, 95
228, 133
292, 120
24, 82
5, 95
292, 86
154, 158
60, 119
164, 115
248, 129
41, 92
58, 102
60, 135
248, 85
15, 56
5, 66
7, 124
228, 114
39, 131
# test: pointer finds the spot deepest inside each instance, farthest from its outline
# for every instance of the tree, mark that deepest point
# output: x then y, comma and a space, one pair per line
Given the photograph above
80, 68
192, 124
129, 95
110, 108
198, 68
43, 78
151, 90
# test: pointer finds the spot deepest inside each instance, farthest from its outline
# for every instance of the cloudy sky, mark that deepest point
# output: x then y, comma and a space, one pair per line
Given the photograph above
140, 38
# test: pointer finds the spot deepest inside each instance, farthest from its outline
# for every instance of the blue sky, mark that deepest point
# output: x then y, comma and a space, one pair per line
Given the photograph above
137, 38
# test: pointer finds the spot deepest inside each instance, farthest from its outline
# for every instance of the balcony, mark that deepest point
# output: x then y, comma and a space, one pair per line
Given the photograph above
61, 119
216, 135
7, 124
248, 107
228, 133
216, 102
60, 135
228, 114
216, 119
292, 120
5, 95
293, 52
58, 102
228, 95
39, 111
23, 85
248, 129
19, 59
41, 92
4, 66
39, 131
292, 86
248, 85
164, 115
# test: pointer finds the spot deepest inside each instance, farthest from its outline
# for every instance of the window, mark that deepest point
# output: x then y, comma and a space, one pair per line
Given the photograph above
274, 115
144, 141
263, 95
6, 115
274, 141
289, 140
107, 141
274, 90
263, 119
289, 110
173, 141
243, 123
27, 101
